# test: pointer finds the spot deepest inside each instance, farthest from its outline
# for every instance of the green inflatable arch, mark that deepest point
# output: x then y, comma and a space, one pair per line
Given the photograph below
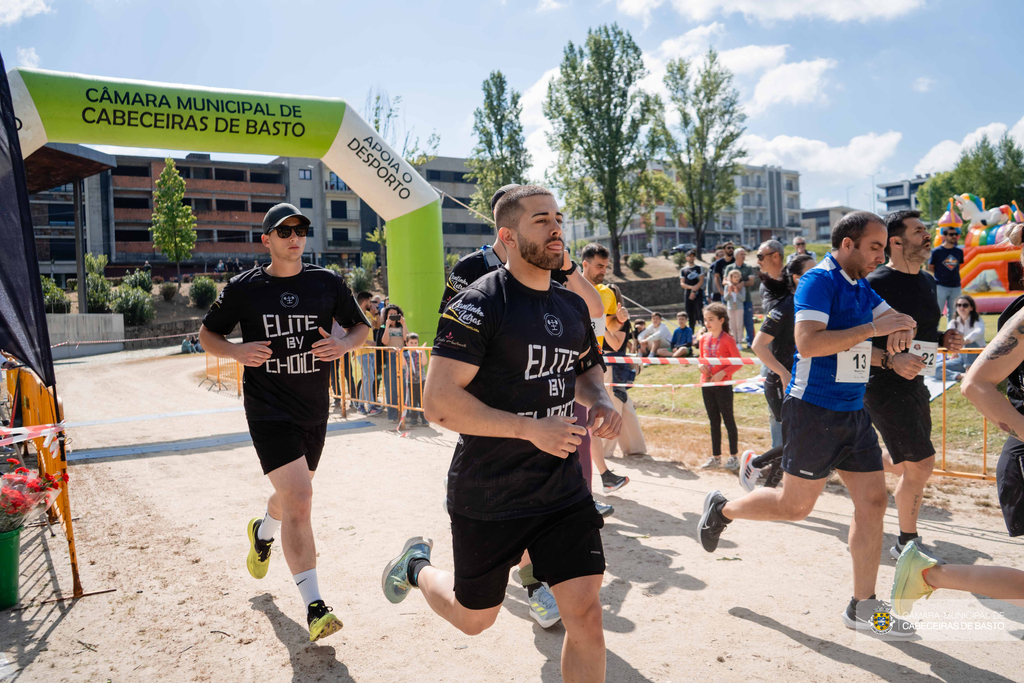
71, 108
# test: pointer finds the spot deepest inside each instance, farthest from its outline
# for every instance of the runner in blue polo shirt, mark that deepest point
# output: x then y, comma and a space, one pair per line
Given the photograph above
825, 426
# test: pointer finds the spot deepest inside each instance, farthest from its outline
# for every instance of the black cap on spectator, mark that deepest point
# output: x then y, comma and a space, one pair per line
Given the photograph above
279, 213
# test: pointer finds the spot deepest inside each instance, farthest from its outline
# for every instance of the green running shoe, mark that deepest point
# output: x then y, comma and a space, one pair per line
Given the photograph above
395, 581
909, 585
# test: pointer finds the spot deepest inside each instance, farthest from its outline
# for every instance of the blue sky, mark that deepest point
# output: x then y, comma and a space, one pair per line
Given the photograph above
837, 89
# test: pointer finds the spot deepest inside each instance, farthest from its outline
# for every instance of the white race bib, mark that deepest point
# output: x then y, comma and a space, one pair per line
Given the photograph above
598, 325
854, 366
927, 349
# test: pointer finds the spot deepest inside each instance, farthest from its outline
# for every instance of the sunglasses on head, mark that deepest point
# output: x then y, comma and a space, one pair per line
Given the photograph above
285, 231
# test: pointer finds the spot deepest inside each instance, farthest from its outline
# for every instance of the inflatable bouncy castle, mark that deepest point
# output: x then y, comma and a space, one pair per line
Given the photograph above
988, 259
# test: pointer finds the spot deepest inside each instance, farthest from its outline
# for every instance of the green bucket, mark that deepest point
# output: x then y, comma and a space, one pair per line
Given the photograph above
9, 549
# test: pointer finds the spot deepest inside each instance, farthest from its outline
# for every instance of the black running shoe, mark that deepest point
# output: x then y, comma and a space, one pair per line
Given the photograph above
712, 523
875, 617
612, 482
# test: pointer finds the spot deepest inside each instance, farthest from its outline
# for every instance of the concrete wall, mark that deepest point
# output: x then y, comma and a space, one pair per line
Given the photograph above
85, 327
183, 326
661, 292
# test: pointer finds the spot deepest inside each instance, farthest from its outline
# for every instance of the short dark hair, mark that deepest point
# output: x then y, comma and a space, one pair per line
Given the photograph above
508, 210
594, 249
692, 252
655, 313
894, 223
852, 225
363, 296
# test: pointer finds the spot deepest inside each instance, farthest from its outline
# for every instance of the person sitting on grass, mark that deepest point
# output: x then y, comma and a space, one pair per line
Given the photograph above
682, 339
968, 323
717, 342
654, 337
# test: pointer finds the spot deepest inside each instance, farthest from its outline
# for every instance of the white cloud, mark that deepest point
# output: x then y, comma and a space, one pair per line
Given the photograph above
863, 155
924, 84
28, 57
536, 126
549, 5
12, 11
823, 202
751, 59
792, 83
944, 155
770, 10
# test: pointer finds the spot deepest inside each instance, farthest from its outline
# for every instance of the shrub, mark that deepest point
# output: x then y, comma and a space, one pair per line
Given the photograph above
99, 294
636, 262
72, 284
369, 261
203, 292
135, 305
334, 267
95, 265
115, 281
451, 260
186, 278
679, 258
664, 253
140, 279
359, 280
157, 280
54, 298
168, 290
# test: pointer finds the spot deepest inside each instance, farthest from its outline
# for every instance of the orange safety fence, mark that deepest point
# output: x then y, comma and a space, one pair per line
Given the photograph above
30, 403
942, 468
381, 378
220, 371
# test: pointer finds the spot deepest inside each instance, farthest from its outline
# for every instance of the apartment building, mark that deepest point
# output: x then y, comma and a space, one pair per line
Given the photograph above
901, 194
818, 223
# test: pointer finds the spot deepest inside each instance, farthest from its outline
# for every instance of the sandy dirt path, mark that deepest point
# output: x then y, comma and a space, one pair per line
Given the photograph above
168, 532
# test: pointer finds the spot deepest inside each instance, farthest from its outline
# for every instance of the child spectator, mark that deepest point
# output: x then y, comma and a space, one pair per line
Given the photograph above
718, 343
413, 364
735, 296
682, 338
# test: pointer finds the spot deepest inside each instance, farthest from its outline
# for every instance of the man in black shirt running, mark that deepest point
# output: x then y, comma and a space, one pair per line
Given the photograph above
513, 354
285, 310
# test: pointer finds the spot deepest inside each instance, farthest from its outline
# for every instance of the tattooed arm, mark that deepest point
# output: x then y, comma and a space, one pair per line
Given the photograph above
999, 359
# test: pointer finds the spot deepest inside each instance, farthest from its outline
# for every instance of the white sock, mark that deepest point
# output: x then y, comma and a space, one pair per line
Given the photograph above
308, 588
268, 528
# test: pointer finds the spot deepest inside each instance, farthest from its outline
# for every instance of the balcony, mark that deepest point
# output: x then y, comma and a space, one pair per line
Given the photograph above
348, 215
133, 215
201, 248
128, 182
232, 186
342, 244
244, 217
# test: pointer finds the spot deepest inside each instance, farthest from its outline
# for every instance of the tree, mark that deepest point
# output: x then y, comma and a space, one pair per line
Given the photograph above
379, 237
993, 171
383, 112
706, 153
499, 157
174, 226
601, 119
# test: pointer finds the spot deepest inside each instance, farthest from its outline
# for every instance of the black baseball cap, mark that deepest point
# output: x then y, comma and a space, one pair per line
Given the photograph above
501, 193
279, 213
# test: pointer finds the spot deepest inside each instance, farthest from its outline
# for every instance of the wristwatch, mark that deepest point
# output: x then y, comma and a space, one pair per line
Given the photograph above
570, 270
886, 360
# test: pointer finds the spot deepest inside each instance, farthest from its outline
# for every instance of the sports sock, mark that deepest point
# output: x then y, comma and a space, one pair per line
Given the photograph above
906, 538
718, 510
415, 565
268, 528
308, 588
851, 610
529, 582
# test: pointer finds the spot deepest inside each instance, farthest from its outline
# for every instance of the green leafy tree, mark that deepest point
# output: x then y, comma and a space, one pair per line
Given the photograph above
54, 298
95, 265
380, 237
601, 117
994, 171
704, 149
174, 226
499, 157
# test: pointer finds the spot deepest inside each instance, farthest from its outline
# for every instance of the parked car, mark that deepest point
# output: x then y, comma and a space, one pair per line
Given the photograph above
685, 247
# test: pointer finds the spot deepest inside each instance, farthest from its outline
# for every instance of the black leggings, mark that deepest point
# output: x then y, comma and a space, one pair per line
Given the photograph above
718, 403
695, 310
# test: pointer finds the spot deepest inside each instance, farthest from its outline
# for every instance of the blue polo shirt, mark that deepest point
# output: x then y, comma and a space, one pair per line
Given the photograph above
683, 336
827, 294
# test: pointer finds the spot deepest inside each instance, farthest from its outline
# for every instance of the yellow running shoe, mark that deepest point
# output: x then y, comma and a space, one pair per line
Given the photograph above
909, 585
258, 560
321, 622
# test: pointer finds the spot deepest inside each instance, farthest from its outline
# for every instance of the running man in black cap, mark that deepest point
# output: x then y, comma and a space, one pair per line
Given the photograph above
285, 310
513, 353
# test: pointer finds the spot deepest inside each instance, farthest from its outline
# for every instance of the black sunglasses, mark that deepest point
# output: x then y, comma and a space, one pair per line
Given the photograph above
963, 305
285, 231
952, 233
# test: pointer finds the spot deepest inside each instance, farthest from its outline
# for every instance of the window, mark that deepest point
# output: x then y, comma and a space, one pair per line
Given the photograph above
433, 175
61, 214
339, 234
202, 173
230, 236
137, 171
305, 174
184, 171
202, 204
130, 202
231, 205
339, 211
261, 207
894, 191
454, 228
255, 177
204, 235
465, 177
256, 236
130, 236
305, 203
337, 184
70, 187
234, 174
62, 250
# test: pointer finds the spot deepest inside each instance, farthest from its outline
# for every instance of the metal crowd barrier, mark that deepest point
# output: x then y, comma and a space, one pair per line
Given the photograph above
381, 378
219, 371
943, 469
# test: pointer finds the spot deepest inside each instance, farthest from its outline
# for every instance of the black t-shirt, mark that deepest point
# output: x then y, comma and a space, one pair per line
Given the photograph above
720, 265
772, 294
947, 264
779, 323
691, 275
466, 271
292, 385
526, 344
1015, 382
627, 327
913, 295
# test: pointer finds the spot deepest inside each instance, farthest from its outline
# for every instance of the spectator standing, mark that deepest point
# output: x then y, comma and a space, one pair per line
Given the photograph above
749, 283
392, 334
692, 278
735, 295
718, 401
710, 288
945, 264
801, 248
367, 388
413, 362
720, 265
146, 268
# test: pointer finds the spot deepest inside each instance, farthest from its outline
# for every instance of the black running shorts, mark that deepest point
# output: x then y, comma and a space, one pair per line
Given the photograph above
1010, 485
817, 440
904, 419
279, 443
563, 545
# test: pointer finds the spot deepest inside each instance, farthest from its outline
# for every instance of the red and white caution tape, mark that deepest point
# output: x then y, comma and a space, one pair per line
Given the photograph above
13, 435
123, 341
635, 360
728, 383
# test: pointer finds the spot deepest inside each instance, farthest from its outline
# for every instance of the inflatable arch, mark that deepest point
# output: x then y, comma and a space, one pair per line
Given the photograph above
72, 108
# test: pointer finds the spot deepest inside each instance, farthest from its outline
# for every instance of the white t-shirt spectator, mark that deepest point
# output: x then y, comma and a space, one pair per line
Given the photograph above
657, 333
973, 334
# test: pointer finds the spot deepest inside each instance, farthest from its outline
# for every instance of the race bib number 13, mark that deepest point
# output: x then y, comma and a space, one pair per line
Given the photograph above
854, 366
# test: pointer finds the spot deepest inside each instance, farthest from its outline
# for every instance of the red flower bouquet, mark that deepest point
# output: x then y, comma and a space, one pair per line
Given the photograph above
22, 492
